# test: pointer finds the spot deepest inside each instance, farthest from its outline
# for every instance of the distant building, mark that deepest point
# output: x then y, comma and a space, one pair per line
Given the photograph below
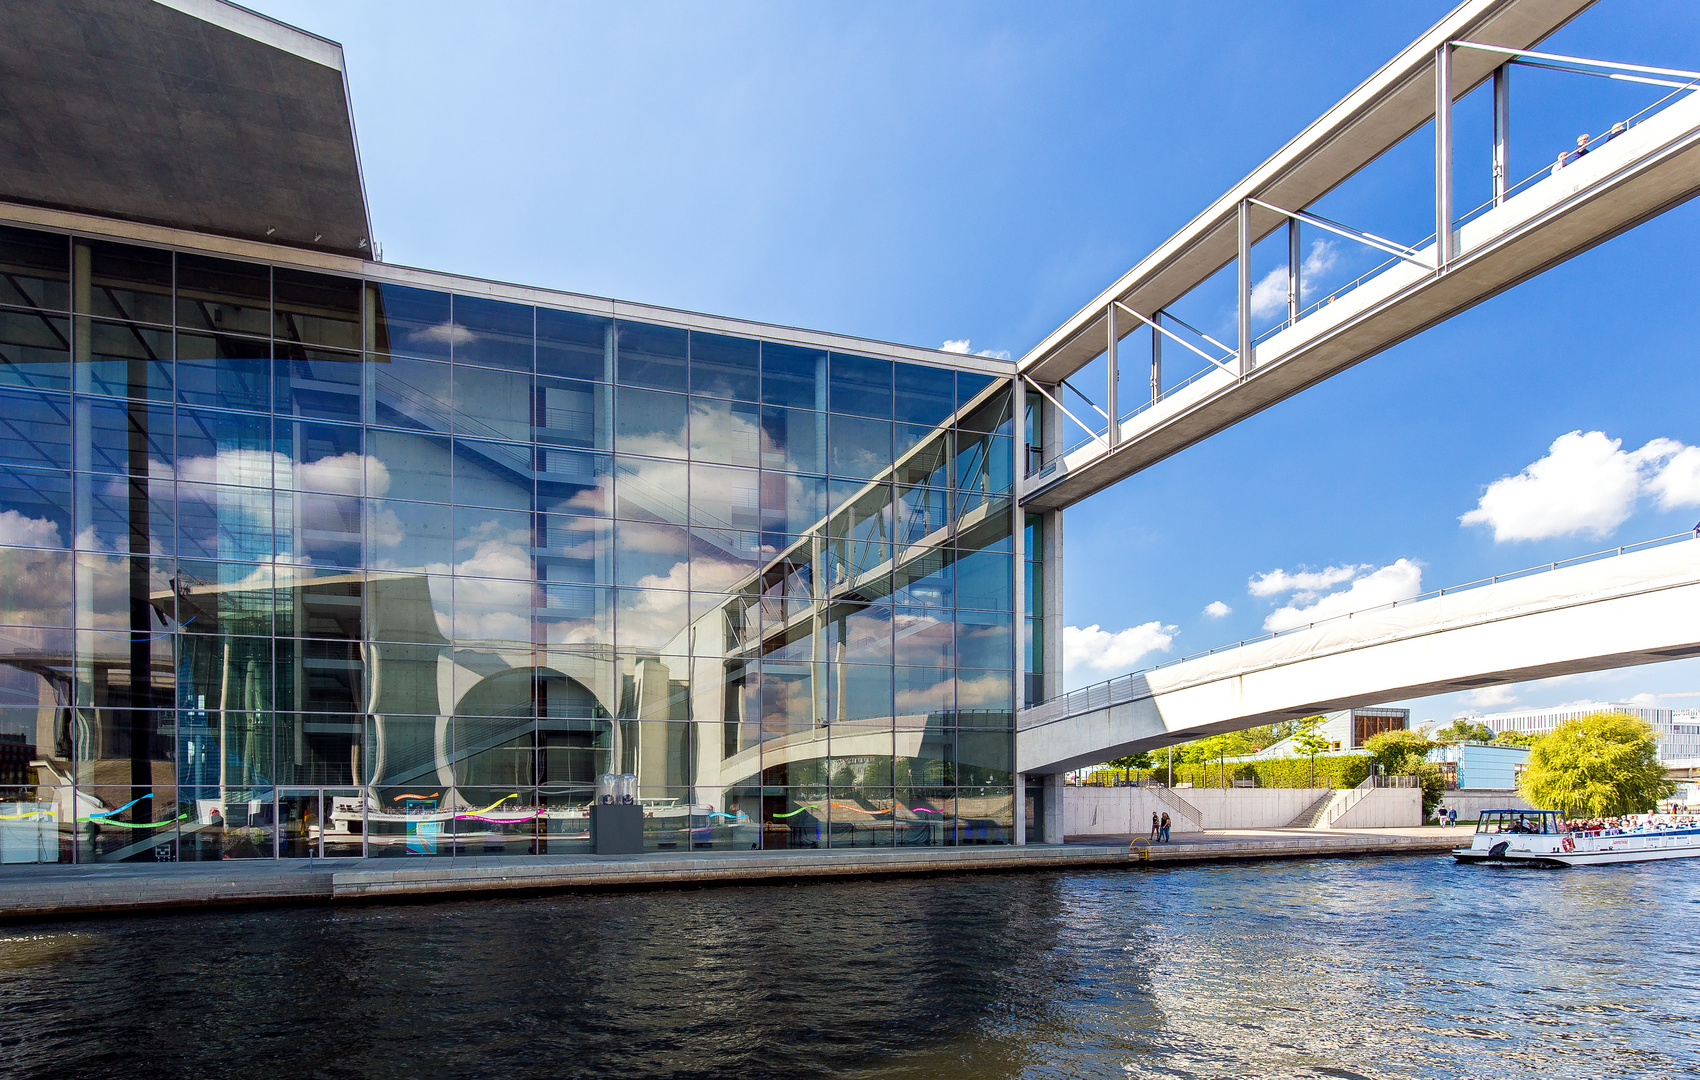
1346, 731
1479, 765
1678, 732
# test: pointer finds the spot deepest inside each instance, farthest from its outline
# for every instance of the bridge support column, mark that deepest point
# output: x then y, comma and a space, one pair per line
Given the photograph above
1053, 805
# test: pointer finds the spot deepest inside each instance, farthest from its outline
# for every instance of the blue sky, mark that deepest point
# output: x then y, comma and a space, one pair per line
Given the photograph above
947, 171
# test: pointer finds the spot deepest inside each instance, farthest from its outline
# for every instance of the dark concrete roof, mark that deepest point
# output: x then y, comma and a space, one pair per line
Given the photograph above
194, 114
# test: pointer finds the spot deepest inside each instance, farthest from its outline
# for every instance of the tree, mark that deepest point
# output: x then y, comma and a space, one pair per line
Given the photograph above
1514, 738
1601, 765
1220, 748
1460, 731
1310, 741
1405, 753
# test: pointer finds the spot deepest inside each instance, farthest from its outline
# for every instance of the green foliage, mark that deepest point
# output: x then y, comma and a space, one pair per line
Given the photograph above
1601, 765
1399, 752
1461, 731
1141, 760
1308, 738
1514, 738
1331, 771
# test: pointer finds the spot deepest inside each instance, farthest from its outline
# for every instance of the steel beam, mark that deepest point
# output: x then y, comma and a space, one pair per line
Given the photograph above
1443, 248
1501, 133
1112, 433
1244, 233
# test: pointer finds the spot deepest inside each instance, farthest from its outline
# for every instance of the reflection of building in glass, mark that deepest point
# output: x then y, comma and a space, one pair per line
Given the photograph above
302, 551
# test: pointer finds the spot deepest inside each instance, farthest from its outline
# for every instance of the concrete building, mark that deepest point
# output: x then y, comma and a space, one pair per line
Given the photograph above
305, 553
1347, 731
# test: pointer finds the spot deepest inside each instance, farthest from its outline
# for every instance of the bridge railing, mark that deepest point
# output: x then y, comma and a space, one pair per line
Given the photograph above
1125, 688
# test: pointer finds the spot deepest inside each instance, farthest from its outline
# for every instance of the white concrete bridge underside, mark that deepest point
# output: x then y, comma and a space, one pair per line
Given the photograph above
1619, 611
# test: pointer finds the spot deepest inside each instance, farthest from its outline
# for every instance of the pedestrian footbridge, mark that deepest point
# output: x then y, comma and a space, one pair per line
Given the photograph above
1617, 609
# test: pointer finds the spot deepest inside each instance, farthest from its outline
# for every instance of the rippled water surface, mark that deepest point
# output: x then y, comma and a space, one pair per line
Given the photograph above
1403, 967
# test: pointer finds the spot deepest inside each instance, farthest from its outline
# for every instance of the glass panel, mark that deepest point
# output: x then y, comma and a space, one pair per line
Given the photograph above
968, 384
225, 372
316, 309
574, 549
573, 413
984, 698
404, 465
792, 503
35, 824
858, 448
793, 440
125, 360
35, 269
575, 482
407, 536
127, 282
725, 367
651, 356
134, 823
35, 586
318, 382
925, 637
861, 385
650, 555
925, 395
407, 393
985, 758
651, 424
930, 465
723, 560
218, 598
492, 474
793, 376
985, 579
492, 612
920, 513
925, 697
492, 404
326, 457
35, 429
652, 490
984, 639
38, 506
574, 345
577, 615
223, 296
410, 322
725, 432
493, 333
319, 676
298, 824
34, 350
214, 521
991, 416
859, 692
224, 448
723, 497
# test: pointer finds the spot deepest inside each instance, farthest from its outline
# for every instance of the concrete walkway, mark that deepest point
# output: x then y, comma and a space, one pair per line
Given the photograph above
59, 891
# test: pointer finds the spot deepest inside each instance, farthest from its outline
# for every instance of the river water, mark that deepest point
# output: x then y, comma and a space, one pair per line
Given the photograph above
1390, 967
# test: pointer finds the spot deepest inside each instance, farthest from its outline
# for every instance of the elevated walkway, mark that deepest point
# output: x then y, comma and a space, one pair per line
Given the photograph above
1614, 610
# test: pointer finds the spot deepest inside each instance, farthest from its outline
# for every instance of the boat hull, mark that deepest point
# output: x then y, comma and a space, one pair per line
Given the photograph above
1613, 850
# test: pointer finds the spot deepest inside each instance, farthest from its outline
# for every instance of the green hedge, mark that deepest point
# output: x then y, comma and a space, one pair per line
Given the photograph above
1332, 771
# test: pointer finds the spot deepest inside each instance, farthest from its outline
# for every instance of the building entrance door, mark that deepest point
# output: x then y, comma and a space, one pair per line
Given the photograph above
298, 818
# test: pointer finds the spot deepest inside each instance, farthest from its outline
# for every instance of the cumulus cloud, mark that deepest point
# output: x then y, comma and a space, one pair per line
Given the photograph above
1302, 583
962, 347
1217, 610
1397, 581
1269, 295
21, 531
1096, 649
1489, 697
1587, 484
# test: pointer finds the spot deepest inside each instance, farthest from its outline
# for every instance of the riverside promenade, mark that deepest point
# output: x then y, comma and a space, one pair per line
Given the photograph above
29, 892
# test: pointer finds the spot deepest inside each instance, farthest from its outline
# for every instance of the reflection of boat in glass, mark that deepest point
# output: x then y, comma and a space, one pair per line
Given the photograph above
420, 824
1543, 838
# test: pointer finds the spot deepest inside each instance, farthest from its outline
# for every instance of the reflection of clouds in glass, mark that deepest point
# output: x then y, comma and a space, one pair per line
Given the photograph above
723, 433
717, 575
443, 333
37, 583
653, 617
338, 474
17, 529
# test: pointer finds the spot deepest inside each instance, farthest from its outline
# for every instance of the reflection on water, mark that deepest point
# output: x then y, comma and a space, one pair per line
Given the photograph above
1379, 968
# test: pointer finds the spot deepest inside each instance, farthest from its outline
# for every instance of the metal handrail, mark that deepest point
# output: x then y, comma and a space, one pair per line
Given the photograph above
1104, 692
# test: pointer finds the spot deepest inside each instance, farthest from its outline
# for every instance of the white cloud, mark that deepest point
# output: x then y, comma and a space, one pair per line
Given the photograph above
1397, 581
23, 531
1096, 648
1645, 700
1678, 483
1489, 697
961, 347
1217, 610
1588, 484
1304, 583
1269, 295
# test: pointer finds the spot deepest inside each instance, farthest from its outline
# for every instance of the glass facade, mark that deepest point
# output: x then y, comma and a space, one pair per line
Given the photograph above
297, 564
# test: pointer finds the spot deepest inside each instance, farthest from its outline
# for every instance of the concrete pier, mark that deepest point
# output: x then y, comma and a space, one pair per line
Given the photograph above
59, 891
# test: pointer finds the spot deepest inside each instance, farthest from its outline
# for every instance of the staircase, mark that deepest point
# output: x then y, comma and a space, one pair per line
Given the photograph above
1312, 816
1178, 806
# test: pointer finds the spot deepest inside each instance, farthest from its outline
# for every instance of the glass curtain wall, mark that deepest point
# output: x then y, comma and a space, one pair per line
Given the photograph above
299, 564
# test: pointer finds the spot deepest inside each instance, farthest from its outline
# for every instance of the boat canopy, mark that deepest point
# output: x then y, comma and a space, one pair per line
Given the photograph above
1542, 822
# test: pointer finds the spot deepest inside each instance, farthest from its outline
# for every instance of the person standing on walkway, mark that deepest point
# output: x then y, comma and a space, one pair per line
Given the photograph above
1452, 817
1163, 830
1155, 827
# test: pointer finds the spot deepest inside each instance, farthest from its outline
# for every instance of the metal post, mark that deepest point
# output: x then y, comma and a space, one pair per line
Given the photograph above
1112, 433
1156, 358
1501, 132
1295, 260
1245, 287
1443, 156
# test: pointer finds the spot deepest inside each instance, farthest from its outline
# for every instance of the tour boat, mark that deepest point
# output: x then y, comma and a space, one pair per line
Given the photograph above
1540, 838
